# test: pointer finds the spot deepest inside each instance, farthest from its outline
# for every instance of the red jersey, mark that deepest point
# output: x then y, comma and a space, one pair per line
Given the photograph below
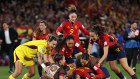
83, 71
69, 29
107, 40
66, 52
42, 36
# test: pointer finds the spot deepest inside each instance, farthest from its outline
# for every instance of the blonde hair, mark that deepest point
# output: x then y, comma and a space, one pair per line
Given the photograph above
72, 8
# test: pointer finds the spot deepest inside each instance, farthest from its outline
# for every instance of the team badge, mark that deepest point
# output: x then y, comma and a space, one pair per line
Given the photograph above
83, 26
42, 49
63, 49
95, 68
105, 43
61, 25
77, 44
68, 26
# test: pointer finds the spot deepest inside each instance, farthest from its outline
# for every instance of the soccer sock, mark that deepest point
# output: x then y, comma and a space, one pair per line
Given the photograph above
120, 75
26, 77
40, 70
134, 76
11, 77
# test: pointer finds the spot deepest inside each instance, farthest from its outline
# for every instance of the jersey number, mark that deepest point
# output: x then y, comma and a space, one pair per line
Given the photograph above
71, 31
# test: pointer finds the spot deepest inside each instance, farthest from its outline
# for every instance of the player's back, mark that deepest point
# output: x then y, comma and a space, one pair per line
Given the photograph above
35, 43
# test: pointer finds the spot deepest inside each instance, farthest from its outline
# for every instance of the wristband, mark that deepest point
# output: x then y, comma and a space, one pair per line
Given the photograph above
43, 65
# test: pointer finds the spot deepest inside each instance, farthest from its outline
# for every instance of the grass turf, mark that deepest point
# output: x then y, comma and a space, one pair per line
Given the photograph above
4, 72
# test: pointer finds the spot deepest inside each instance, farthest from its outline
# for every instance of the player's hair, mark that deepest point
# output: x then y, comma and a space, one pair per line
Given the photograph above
51, 37
38, 31
61, 43
85, 56
72, 9
57, 57
66, 68
99, 30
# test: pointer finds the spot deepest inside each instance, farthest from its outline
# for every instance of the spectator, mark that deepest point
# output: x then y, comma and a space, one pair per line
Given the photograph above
8, 39
131, 37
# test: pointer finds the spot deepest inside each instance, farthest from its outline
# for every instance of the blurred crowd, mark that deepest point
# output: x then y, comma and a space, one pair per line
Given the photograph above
115, 14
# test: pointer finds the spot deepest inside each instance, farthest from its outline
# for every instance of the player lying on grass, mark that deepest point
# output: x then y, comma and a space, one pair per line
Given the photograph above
57, 70
24, 54
112, 51
85, 60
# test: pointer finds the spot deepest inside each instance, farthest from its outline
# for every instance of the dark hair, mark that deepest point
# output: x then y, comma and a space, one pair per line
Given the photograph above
51, 37
38, 31
85, 56
72, 9
43, 21
57, 57
99, 30
60, 44
66, 68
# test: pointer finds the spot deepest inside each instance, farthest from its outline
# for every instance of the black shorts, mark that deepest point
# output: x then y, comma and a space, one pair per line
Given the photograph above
115, 53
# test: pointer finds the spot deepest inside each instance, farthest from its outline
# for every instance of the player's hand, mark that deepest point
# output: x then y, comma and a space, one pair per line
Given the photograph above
92, 76
46, 69
132, 35
15, 41
99, 64
59, 33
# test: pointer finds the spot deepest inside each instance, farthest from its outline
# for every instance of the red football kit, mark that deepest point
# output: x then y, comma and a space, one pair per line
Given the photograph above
66, 52
69, 29
42, 36
83, 72
107, 40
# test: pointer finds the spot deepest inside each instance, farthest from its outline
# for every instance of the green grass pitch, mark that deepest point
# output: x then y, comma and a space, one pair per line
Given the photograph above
4, 72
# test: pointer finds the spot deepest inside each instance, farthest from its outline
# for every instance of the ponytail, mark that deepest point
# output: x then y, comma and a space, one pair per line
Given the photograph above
72, 9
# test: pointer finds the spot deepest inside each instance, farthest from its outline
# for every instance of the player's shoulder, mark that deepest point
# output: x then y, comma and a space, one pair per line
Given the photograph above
77, 22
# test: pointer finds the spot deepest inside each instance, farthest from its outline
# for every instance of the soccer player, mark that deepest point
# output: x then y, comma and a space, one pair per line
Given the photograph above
71, 26
41, 33
82, 73
85, 60
67, 48
112, 51
56, 70
24, 54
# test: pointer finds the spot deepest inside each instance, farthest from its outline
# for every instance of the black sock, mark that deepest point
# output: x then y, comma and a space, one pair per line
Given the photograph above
134, 76
120, 75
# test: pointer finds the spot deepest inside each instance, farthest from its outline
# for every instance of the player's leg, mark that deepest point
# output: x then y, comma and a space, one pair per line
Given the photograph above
129, 55
31, 72
135, 54
123, 62
18, 70
39, 70
107, 75
116, 69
